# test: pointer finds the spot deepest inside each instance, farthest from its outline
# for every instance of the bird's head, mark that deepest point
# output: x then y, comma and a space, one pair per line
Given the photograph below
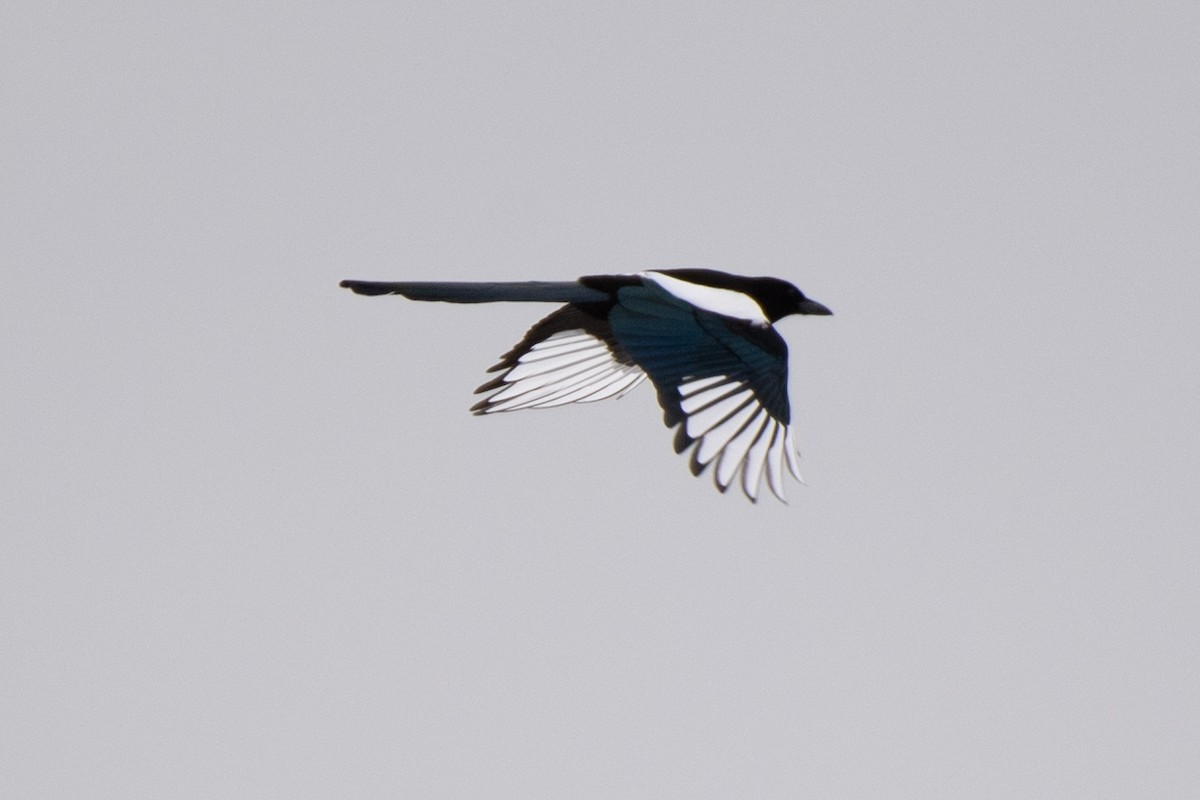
779, 299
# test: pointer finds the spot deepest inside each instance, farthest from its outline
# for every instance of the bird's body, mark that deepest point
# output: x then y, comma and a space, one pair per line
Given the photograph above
704, 338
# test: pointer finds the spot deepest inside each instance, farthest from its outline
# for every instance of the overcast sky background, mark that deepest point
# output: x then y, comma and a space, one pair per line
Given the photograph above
253, 545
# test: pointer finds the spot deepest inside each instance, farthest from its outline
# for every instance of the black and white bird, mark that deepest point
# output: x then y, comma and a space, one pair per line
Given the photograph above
704, 338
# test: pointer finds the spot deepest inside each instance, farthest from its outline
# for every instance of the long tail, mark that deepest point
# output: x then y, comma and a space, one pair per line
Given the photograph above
528, 291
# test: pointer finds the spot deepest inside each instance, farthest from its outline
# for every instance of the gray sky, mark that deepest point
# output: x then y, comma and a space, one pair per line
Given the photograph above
253, 545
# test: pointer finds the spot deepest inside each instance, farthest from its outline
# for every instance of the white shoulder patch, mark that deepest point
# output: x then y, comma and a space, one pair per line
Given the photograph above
719, 301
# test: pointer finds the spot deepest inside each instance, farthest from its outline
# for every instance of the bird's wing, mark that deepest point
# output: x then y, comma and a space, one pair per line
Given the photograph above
568, 357
722, 381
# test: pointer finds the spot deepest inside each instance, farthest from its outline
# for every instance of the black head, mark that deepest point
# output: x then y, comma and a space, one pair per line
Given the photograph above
780, 299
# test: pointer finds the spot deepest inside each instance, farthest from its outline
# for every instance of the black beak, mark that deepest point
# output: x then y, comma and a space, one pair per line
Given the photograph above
807, 306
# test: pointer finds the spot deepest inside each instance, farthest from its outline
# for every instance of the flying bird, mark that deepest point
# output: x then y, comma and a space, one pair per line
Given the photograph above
704, 338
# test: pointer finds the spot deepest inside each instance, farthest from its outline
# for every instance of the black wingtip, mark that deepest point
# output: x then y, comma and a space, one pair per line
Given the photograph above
682, 440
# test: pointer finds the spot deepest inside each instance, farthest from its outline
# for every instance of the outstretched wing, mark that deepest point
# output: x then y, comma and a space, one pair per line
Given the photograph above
723, 381
568, 357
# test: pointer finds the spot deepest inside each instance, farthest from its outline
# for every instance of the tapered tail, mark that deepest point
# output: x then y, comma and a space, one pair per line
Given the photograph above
528, 291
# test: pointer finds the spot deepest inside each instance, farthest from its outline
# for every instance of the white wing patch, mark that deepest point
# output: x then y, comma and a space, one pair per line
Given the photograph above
725, 302
733, 430
569, 366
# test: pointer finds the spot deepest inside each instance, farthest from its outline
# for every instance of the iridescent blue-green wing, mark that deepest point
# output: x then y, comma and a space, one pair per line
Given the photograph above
722, 381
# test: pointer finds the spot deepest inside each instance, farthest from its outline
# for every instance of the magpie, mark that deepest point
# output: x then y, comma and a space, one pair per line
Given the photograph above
704, 339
